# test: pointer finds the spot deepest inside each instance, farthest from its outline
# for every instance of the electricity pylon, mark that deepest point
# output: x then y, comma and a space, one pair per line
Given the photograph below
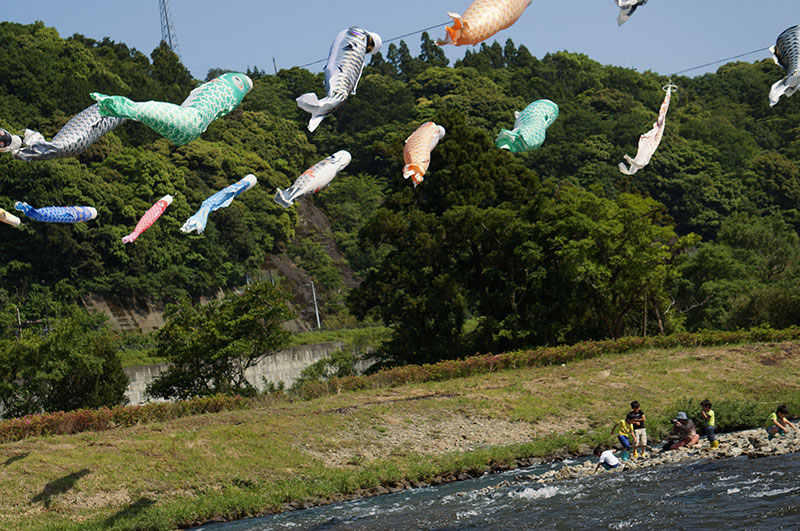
168, 33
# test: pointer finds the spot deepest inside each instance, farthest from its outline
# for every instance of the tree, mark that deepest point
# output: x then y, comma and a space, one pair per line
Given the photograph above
618, 252
431, 53
74, 365
211, 346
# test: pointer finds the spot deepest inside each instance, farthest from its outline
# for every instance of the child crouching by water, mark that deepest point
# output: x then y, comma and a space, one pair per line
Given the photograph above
777, 423
607, 458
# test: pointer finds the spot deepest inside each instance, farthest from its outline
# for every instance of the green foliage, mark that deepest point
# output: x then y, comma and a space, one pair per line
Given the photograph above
539, 357
730, 414
339, 364
211, 346
546, 247
71, 366
311, 256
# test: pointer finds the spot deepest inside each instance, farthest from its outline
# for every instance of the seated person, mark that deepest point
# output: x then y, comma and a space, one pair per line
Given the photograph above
685, 430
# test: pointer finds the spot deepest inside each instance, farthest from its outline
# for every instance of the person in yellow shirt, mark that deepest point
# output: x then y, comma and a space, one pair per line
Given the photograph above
625, 434
710, 419
778, 423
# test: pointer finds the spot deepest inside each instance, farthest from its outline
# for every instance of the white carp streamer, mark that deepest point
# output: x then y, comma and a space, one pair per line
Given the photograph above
648, 142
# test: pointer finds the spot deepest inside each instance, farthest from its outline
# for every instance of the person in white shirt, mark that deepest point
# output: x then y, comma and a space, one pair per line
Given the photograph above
607, 458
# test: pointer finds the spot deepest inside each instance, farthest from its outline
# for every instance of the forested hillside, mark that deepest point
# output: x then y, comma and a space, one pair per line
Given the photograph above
493, 251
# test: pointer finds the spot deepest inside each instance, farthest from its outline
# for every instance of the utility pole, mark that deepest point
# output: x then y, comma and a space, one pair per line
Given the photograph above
21, 324
316, 310
168, 33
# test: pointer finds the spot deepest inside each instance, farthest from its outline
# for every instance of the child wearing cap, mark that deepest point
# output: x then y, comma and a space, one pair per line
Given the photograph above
686, 431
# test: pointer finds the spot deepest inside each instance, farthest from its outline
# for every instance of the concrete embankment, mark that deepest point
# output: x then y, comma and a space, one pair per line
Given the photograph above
284, 366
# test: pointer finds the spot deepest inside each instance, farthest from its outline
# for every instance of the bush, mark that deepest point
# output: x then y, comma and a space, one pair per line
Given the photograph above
74, 365
61, 423
536, 358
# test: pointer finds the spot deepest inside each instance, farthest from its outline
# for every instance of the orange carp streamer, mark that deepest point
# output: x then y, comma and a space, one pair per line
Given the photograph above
417, 153
482, 19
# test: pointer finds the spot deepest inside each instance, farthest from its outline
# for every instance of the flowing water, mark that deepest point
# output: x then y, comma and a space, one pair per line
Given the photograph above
736, 493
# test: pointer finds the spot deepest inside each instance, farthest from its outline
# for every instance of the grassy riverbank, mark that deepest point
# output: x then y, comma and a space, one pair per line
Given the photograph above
239, 463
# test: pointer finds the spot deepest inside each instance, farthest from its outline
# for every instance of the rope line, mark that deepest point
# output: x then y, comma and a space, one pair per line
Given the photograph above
448, 22
387, 40
720, 61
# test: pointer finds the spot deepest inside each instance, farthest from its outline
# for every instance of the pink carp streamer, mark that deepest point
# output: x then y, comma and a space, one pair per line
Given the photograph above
149, 218
482, 19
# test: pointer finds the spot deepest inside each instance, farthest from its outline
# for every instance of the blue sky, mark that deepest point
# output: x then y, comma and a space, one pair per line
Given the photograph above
664, 36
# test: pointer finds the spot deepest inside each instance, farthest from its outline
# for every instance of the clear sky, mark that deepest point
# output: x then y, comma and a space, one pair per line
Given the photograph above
664, 36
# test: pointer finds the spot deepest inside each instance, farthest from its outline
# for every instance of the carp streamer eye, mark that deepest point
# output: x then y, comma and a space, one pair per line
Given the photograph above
239, 82
370, 44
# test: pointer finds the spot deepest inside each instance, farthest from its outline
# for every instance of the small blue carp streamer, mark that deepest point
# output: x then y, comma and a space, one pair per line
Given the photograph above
221, 199
72, 214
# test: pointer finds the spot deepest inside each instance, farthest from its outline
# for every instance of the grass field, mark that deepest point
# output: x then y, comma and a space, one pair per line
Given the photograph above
235, 464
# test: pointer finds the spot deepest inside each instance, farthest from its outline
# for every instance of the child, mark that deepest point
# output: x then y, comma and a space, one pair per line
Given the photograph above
639, 431
607, 458
625, 433
711, 423
777, 422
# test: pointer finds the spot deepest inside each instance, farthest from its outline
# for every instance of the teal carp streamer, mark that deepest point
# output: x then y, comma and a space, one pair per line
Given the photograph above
530, 127
181, 124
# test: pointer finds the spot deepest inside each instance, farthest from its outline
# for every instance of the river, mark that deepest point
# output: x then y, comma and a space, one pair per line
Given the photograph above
737, 493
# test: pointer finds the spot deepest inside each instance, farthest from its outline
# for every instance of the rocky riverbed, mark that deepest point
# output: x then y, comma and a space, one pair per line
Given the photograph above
750, 443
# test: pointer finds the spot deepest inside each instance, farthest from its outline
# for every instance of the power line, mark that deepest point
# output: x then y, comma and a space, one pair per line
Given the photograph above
446, 23
387, 40
720, 61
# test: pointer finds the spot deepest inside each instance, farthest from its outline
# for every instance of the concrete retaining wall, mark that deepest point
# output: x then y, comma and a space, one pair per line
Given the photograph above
283, 366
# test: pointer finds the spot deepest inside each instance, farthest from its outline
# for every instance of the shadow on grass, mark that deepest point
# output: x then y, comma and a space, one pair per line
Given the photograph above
59, 486
132, 511
15, 458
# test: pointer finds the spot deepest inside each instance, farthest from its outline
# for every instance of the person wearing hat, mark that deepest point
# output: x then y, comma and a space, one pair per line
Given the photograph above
686, 431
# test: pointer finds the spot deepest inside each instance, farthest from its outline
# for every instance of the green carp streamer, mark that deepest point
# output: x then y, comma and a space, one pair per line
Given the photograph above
181, 124
529, 129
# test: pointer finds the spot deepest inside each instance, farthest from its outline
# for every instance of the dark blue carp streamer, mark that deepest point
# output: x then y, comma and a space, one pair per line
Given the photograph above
71, 214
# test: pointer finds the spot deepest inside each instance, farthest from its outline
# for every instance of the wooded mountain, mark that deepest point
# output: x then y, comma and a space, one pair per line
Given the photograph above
493, 251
